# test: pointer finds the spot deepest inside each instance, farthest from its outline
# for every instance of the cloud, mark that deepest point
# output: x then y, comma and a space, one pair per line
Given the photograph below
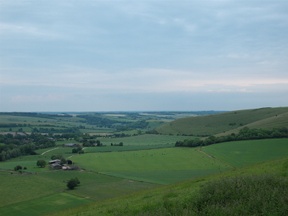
42, 98
147, 80
21, 30
119, 47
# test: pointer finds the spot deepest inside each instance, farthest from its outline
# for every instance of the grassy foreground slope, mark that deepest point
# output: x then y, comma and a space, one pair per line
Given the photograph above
189, 198
266, 118
115, 174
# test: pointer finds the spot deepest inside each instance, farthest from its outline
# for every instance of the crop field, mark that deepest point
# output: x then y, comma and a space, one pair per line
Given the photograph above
214, 124
43, 205
114, 174
19, 192
161, 166
145, 139
146, 161
176, 198
243, 153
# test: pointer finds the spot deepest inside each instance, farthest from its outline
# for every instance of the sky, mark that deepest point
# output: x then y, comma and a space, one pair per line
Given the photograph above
144, 55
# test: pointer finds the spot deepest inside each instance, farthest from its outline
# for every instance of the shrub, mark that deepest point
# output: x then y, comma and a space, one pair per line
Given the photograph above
250, 195
41, 163
17, 168
72, 183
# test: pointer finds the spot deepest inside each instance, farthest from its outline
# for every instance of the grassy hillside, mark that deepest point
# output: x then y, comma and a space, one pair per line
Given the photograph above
117, 174
227, 122
186, 198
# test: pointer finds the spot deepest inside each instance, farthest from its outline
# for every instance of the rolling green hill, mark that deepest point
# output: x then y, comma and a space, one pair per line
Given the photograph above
140, 178
266, 118
186, 197
112, 175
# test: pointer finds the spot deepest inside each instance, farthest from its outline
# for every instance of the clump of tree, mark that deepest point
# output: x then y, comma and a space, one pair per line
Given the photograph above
72, 183
117, 144
41, 163
244, 134
17, 145
78, 150
18, 168
91, 143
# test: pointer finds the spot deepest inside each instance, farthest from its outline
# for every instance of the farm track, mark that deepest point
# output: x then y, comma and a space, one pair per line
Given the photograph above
211, 156
49, 150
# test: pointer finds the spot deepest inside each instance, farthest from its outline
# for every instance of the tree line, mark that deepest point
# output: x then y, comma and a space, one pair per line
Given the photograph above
244, 134
18, 145
100, 121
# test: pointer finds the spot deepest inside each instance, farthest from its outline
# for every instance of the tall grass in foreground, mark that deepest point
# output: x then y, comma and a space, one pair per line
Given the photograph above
243, 195
250, 195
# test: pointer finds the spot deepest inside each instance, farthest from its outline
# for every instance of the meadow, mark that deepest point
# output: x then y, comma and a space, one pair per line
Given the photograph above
109, 175
228, 122
265, 185
162, 166
145, 176
244, 153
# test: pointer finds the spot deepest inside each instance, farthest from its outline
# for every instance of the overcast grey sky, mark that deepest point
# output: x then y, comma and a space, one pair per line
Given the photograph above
116, 55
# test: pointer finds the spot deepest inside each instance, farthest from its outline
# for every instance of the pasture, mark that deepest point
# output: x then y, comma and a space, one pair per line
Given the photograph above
145, 162
266, 118
114, 174
244, 153
36, 192
162, 166
145, 139
178, 199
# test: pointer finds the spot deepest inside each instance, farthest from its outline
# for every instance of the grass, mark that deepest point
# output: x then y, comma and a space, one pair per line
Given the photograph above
244, 153
145, 139
117, 174
48, 204
245, 195
125, 148
186, 198
221, 123
19, 192
159, 165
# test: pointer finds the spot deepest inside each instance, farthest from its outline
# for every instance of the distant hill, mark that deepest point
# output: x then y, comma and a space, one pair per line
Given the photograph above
229, 122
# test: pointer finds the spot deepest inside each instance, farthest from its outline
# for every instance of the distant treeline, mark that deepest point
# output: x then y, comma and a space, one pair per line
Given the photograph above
52, 130
244, 134
36, 115
22, 144
100, 121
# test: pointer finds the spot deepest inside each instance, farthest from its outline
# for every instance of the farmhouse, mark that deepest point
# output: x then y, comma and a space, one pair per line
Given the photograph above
71, 145
56, 164
56, 161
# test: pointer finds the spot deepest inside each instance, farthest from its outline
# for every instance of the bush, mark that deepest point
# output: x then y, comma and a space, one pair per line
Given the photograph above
41, 163
72, 183
17, 168
250, 195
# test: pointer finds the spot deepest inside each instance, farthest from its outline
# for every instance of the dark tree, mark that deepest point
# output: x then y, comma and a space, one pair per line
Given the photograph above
69, 162
18, 167
41, 163
72, 183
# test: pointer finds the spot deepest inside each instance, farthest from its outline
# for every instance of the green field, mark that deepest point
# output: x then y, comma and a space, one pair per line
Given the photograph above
266, 118
41, 206
161, 166
114, 174
145, 176
145, 139
244, 153
177, 199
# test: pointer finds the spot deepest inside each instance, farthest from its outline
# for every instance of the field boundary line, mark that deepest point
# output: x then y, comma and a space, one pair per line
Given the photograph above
49, 150
211, 156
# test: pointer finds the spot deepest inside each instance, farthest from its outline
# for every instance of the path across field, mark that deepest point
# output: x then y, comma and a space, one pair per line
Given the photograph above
49, 150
